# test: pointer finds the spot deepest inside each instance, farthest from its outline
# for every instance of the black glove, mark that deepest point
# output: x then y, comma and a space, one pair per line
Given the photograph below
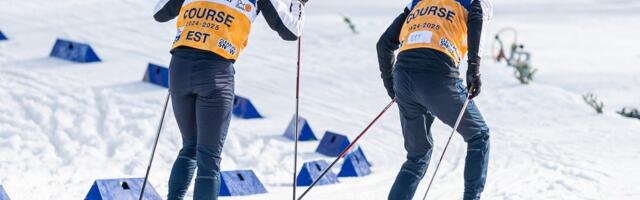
388, 84
473, 79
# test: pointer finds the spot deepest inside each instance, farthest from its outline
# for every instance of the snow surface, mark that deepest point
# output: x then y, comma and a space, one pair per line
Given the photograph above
63, 125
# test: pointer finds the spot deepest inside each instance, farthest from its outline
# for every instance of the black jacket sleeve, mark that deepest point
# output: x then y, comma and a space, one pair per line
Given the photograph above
388, 43
474, 34
281, 19
167, 10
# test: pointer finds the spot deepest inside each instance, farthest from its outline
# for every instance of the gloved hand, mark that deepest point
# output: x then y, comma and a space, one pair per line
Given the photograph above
388, 84
473, 79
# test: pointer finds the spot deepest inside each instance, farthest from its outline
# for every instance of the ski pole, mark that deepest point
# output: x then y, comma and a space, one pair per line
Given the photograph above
455, 127
295, 148
155, 144
347, 149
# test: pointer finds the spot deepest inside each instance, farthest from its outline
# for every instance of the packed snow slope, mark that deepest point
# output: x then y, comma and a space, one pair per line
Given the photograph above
63, 124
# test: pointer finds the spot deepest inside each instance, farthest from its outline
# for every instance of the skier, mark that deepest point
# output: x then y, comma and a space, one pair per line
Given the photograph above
432, 37
211, 35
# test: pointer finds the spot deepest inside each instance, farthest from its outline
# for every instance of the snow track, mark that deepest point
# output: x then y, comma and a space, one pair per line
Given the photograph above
63, 125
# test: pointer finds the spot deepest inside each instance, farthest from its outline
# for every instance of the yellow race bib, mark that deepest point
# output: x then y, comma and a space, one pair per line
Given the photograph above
439, 25
218, 26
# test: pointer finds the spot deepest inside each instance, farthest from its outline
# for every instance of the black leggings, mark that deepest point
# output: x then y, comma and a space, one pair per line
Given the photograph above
202, 92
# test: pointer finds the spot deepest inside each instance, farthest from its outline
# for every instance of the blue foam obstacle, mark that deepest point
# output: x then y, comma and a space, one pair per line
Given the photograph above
304, 130
355, 164
332, 144
238, 183
3, 194
2, 37
73, 51
311, 171
243, 108
359, 151
121, 189
157, 75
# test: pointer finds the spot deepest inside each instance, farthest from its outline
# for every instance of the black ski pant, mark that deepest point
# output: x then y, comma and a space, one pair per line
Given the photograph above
422, 97
202, 92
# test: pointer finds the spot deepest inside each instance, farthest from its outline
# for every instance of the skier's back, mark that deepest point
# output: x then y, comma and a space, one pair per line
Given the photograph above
433, 37
211, 34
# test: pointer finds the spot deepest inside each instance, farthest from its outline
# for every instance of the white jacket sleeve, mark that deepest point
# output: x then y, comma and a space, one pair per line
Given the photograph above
286, 19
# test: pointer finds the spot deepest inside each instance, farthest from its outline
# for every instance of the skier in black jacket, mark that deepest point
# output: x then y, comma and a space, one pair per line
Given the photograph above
210, 36
433, 37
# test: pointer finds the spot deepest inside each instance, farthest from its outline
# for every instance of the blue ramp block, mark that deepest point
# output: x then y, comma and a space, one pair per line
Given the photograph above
2, 37
157, 75
355, 164
3, 194
238, 183
121, 189
359, 151
311, 171
73, 51
304, 130
332, 144
243, 108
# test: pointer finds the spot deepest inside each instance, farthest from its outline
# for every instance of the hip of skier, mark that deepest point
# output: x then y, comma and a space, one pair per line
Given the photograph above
433, 37
211, 34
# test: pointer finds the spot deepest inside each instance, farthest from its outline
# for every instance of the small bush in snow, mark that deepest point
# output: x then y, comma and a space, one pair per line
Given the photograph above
630, 112
350, 24
593, 101
524, 73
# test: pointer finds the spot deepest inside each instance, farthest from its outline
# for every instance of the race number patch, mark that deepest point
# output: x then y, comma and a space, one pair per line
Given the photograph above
420, 37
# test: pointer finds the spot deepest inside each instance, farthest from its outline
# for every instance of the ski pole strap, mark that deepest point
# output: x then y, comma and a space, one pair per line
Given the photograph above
346, 149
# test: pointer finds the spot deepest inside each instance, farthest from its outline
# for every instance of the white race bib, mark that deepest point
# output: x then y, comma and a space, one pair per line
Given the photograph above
420, 37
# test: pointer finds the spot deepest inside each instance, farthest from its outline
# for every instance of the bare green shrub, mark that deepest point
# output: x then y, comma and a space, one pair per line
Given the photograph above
630, 112
592, 100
